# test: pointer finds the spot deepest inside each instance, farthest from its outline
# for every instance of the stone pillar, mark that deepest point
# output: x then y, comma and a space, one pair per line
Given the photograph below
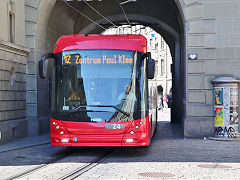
31, 19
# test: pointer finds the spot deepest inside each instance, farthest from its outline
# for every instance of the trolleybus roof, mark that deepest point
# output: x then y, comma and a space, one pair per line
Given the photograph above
99, 41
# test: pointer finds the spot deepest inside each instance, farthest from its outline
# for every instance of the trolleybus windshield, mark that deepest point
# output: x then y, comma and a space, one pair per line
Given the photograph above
97, 86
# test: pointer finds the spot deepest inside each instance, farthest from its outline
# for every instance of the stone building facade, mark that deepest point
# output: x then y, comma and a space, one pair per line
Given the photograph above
13, 60
30, 28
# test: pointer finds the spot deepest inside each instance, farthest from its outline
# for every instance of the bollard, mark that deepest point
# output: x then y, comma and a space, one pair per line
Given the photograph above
226, 123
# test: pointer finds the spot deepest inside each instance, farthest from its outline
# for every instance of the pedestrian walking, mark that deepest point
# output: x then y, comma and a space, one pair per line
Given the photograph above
165, 102
169, 97
160, 105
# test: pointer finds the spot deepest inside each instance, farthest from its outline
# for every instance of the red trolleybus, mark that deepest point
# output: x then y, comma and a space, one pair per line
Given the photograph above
100, 94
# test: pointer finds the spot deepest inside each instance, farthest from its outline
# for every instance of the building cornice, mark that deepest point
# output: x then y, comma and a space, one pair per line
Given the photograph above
13, 48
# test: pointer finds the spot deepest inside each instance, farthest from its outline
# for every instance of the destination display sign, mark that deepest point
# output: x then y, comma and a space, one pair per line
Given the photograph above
73, 59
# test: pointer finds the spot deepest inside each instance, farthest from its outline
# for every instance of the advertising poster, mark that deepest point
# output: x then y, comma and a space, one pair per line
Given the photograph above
218, 120
218, 93
226, 106
233, 120
233, 96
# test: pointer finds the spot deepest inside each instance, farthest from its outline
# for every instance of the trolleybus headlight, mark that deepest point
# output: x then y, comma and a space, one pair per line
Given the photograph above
137, 126
61, 132
57, 127
65, 140
131, 132
129, 140
54, 123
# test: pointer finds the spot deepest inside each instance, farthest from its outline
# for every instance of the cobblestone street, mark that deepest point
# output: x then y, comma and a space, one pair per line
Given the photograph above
168, 157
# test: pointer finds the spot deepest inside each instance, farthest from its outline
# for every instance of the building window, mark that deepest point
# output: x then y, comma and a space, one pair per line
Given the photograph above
156, 69
162, 67
11, 10
121, 31
162, 43
11, 27
156, 46
151, 43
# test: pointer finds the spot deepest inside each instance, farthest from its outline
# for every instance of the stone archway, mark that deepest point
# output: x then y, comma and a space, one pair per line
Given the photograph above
53, 19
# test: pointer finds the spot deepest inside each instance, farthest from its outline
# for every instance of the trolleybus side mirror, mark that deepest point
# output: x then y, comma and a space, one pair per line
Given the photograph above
150, 66
44, 65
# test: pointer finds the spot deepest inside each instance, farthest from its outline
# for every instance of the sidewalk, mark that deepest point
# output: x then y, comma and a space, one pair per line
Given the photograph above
164, 115
25, 142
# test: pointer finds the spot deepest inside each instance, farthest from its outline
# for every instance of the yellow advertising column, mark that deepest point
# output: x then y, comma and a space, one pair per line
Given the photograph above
226, 118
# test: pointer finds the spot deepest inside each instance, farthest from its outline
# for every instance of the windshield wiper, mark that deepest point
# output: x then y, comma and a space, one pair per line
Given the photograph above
115, 107
82, 110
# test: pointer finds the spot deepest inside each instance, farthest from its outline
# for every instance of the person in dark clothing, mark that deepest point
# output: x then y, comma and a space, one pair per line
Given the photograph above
169, 102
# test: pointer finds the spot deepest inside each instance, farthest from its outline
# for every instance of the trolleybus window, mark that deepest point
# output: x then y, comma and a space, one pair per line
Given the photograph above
98, 86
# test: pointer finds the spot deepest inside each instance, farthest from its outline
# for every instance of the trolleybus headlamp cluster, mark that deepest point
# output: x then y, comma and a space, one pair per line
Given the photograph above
131, 132
65, 140
129, 140
57, 127
137, 126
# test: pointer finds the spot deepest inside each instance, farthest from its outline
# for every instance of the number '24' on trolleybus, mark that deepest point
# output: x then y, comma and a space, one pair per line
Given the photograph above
100, 93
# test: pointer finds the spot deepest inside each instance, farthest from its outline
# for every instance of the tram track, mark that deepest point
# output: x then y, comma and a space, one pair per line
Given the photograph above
35, 169
81, 170
73, 174
24, 147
